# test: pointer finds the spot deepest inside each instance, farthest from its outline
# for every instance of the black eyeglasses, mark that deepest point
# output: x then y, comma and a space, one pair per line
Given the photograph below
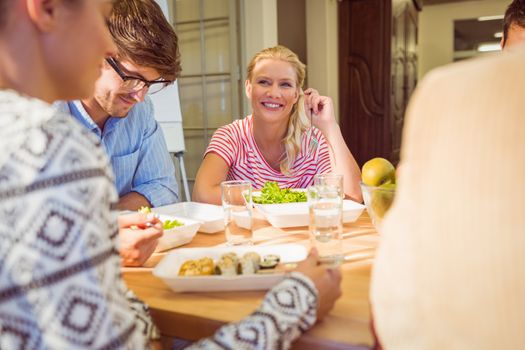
133, 83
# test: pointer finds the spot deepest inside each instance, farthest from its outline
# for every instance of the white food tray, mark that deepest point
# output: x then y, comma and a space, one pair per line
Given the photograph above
168, 268
211, 216
179, 235
296, 214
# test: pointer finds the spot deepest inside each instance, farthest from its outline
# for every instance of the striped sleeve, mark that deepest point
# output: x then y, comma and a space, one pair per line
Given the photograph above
323, 154
224, 144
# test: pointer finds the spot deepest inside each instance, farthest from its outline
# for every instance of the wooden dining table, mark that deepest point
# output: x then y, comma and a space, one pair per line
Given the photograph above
193, 316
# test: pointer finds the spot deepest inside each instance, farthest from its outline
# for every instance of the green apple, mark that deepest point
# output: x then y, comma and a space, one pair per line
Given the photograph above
377, 172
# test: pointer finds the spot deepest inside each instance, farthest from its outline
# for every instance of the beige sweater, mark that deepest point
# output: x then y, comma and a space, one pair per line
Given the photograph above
450, 272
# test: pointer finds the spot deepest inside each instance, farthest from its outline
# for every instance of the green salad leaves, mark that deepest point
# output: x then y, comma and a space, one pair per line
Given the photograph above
167, 224
272, 194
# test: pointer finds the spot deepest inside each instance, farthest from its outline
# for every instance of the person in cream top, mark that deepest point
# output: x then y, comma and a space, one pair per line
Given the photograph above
450, 270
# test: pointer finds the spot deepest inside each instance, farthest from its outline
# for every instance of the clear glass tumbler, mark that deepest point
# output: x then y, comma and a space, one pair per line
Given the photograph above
326, 222
237, 205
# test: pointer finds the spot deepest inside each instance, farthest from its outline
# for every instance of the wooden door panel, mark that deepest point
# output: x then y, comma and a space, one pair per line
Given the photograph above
364, 49
378, 73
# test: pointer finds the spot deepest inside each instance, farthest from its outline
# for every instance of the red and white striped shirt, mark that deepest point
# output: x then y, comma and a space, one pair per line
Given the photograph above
236, 145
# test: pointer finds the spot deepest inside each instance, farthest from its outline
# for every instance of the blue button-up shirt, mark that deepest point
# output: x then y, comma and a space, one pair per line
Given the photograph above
137, 149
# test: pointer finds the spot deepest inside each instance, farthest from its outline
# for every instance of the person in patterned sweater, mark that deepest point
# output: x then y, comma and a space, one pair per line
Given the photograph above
60, 280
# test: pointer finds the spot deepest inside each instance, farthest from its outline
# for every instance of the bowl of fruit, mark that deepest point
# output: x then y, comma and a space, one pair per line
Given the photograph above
378, 187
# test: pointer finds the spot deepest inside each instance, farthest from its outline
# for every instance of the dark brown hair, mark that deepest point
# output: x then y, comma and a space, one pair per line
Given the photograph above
515, 15
3, 11
144, 36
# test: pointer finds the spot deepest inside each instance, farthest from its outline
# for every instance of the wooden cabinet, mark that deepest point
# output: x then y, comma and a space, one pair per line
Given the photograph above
378, 72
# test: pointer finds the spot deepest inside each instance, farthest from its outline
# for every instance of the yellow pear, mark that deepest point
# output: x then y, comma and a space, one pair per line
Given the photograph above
377, 172
382, 198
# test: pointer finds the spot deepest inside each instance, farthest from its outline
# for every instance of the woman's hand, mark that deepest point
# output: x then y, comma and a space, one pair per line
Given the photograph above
320, 109
327, 282
139, 234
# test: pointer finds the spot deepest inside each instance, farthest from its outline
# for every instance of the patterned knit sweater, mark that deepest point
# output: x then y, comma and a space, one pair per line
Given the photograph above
60, 280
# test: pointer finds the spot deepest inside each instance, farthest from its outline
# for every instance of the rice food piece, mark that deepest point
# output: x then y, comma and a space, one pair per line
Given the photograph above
249, 263
256, 258
269, 261
232, 256
268, 264
275, 257
189, 268
227, 265
246, 266
201, 267
206, 266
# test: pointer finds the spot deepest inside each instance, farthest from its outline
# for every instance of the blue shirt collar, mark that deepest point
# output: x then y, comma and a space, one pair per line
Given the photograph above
79, 112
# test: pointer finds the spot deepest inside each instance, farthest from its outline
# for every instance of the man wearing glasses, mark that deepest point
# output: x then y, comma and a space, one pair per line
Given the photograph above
121, 114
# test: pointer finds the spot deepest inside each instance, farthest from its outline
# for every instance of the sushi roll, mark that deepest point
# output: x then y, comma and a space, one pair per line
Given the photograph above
246, 266
268, 264
227, 265
256, 258
269, 261
231, 256
189, 268
249, 263
272, 257
206, 266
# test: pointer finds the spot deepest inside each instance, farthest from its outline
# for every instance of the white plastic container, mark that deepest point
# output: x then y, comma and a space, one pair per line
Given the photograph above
178, 235
211, 216
296, 214
169, 267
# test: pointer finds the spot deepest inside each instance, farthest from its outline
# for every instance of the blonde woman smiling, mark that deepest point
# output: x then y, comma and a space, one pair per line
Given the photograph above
278, 141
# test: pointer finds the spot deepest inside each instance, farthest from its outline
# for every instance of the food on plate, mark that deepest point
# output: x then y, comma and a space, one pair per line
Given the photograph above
230, 264
249, 263
272, 257
272, 194
269, 261
144, 210
167, 224
227, 265
201, 267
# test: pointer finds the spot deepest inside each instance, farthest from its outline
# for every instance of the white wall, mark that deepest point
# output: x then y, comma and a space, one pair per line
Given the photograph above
322, 48
436, 29
258, 31
259, 19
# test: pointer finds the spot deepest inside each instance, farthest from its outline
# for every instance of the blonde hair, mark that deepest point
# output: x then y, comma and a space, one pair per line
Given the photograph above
298, 122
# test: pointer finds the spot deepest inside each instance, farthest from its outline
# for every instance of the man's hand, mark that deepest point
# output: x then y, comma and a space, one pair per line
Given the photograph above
327, 282
132, 201
139, 234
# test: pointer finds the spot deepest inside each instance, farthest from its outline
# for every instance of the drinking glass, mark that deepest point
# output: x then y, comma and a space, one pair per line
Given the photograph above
237, 205
330, 179
326, 222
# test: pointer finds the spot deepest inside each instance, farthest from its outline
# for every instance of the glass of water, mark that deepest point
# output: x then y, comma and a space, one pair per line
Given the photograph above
325, 205
237, 205
330, 179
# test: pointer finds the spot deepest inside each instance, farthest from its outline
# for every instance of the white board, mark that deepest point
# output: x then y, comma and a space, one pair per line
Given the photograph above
166, 104
164, 6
